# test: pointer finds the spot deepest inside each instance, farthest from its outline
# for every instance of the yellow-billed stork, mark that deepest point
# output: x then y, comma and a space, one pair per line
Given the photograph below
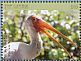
21, 50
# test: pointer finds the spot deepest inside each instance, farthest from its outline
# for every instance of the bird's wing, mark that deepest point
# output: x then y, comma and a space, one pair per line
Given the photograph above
11, 50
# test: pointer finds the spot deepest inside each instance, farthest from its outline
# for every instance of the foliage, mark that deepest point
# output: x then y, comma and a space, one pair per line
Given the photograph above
13, 30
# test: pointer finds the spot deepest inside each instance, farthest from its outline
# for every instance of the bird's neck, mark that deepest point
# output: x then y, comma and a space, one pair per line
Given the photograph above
34, 35
35, 39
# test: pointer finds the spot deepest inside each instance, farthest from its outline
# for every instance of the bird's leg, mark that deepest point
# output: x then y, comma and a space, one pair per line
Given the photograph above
56, 42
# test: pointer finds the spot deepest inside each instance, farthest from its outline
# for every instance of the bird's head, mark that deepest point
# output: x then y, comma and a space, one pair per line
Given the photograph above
41, 26
38, 24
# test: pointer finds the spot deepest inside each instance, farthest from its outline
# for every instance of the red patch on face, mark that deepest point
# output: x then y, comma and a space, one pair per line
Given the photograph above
37, 24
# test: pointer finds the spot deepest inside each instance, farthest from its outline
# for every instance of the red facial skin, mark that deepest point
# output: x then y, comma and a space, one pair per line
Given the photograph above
41, 26
38, 24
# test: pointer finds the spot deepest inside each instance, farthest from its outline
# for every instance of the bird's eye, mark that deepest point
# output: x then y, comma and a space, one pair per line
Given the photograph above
33, 18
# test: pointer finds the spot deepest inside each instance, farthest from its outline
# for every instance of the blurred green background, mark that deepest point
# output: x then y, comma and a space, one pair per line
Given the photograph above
68, 24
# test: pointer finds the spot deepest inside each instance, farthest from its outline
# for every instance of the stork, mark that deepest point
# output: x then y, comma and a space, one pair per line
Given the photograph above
21, 50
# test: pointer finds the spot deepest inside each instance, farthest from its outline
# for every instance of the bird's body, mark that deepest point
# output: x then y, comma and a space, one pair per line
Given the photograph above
21, 50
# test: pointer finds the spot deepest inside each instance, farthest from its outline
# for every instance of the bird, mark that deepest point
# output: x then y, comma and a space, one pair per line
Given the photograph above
34, 26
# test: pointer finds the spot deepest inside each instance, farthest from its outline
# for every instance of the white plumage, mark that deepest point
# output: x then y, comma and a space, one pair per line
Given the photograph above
21, 50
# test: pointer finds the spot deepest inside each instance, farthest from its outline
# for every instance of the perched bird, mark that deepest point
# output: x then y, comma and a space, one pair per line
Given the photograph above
21, 50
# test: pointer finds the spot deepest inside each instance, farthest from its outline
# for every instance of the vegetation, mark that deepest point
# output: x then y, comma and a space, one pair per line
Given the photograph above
13, 30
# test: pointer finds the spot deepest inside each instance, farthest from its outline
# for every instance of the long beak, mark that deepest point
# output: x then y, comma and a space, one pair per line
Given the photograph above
47, 26
41, 26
